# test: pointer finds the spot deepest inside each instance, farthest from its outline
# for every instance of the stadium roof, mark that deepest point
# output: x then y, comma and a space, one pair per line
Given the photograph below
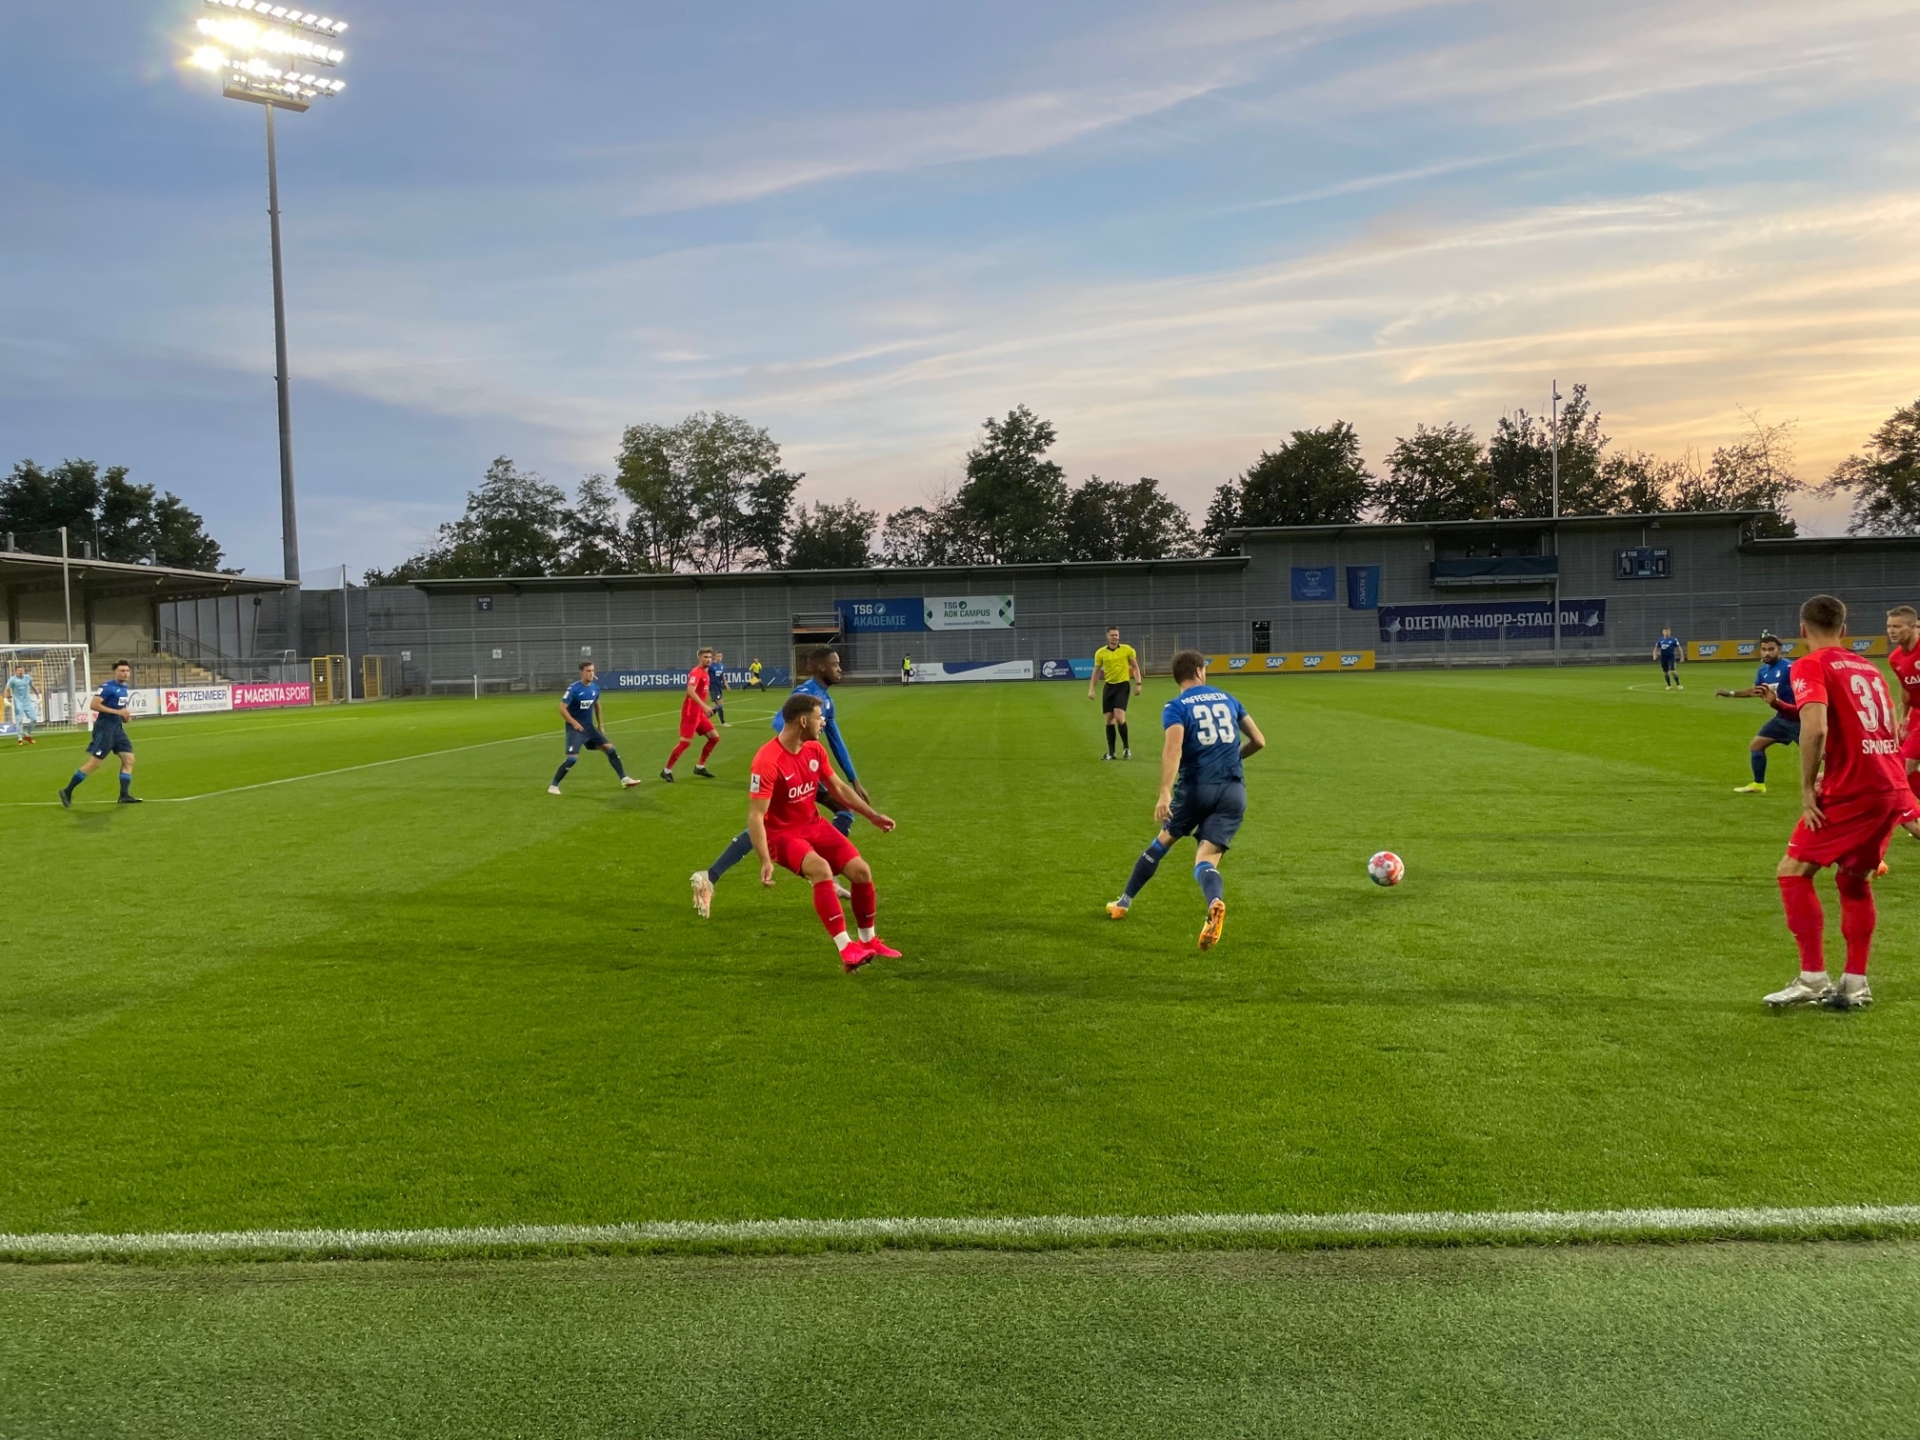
1831, 544
876, 575
1660, 518
21, 570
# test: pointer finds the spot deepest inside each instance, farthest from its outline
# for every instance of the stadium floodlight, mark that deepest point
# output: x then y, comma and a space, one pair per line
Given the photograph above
270, 55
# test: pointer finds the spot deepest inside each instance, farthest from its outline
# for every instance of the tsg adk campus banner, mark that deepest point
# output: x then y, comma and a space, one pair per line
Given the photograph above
1511, 620
931, 612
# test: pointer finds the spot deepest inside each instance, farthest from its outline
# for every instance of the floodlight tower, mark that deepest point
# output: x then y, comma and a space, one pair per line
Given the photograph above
266, 54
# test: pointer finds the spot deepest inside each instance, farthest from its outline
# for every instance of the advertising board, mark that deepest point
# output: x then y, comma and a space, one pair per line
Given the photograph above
1291, 662
276, 695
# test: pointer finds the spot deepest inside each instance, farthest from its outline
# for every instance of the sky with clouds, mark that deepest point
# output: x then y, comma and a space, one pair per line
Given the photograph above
1178, 230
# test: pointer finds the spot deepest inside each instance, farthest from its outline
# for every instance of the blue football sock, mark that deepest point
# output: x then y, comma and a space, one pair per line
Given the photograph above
738, 850
1759, 759
565, 765
79, 779
126, 782
1211, 885
843, 821
613, 759
1143, 869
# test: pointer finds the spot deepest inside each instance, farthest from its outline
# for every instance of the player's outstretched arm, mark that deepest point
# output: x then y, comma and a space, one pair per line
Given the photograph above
1169, 769
1813, 748
1254, 742
757, 833
849, 798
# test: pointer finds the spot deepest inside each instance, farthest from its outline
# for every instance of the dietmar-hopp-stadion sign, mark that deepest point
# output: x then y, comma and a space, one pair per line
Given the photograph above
1504, 620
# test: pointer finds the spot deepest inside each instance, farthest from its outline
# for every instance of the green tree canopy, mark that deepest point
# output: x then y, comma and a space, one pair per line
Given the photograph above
121, 520
1437, 473
831, 537
1106, 520
1013, 504
1315, 477
515, 524
1884, 481
708, 493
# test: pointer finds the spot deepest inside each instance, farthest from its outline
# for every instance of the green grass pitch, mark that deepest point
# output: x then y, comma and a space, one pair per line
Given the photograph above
339, 992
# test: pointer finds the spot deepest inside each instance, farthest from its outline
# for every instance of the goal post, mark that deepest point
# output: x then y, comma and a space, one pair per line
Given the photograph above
60, 681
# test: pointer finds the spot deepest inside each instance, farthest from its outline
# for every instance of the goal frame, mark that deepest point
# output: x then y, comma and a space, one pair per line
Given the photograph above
63, 675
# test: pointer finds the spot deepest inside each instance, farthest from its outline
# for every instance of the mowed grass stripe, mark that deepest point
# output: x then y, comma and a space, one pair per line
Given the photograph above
1441, 1227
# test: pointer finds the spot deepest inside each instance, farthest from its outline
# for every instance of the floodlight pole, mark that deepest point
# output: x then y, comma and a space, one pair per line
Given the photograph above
289, 529
1553, 434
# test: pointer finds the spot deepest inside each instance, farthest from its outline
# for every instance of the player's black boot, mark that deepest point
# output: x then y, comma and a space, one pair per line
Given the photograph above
704, 773
130, 800
667, 775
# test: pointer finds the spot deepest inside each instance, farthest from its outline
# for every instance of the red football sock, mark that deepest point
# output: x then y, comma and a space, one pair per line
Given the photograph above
678, 751
1806, 919
1857, 918
1913, 783
827, 905
865, 904
711, 742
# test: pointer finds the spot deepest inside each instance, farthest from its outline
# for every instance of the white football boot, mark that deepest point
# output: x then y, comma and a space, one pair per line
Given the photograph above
1809, 987
702, 894
1851, 993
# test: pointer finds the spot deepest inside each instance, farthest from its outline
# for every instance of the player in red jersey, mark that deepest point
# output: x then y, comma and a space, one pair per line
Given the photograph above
1853, 793
787, 830
1903, 654
696, 718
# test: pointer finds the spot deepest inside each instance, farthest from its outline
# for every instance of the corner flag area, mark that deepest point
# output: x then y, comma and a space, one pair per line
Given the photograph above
354, 970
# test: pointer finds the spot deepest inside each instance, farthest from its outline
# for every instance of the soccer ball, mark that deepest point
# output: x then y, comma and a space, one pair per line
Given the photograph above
1386, 869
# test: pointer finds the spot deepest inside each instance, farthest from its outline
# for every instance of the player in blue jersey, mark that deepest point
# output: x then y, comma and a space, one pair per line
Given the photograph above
1203, 790
23, 703
717, 678
1668, 651
112, 707
1772, 682
823, 673
580, 708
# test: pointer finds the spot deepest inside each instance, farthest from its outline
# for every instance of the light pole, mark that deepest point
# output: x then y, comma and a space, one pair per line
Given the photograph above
265, 54
1553, 435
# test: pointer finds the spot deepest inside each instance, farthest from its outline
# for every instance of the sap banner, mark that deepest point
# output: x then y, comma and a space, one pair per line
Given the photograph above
936, 671
1492, 620
1293, 662
969, 612
770, 676
1749, 650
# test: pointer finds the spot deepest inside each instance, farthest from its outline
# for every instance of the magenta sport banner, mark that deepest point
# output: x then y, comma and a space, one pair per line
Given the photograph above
271, 697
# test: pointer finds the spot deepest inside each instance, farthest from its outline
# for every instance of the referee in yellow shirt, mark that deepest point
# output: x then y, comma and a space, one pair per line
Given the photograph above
1120, 665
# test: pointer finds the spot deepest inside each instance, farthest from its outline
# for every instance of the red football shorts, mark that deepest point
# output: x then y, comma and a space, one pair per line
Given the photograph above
1856, 833
790, 848
694, 721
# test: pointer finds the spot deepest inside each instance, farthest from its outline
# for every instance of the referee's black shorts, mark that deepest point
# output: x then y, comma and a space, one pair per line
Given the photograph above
1114, 697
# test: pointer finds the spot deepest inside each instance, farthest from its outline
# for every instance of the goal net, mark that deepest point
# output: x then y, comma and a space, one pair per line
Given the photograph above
59, 681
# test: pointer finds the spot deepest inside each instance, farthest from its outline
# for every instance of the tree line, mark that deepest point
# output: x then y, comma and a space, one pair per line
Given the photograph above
711, 494
104, 511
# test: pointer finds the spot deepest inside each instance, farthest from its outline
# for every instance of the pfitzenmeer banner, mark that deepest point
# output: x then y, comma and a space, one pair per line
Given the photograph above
1491, 620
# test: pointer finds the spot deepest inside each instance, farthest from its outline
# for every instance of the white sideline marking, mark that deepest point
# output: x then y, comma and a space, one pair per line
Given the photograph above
988, 1230
369, 765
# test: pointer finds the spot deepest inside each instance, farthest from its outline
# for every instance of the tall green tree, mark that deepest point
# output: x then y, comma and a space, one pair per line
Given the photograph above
1013, 503
120, 519
918, 535
708, 493
515, 524
1106, 520
593, 540
831, 537
1437, 473
1520, 462
1884, 480
1315, 477
1753, 473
